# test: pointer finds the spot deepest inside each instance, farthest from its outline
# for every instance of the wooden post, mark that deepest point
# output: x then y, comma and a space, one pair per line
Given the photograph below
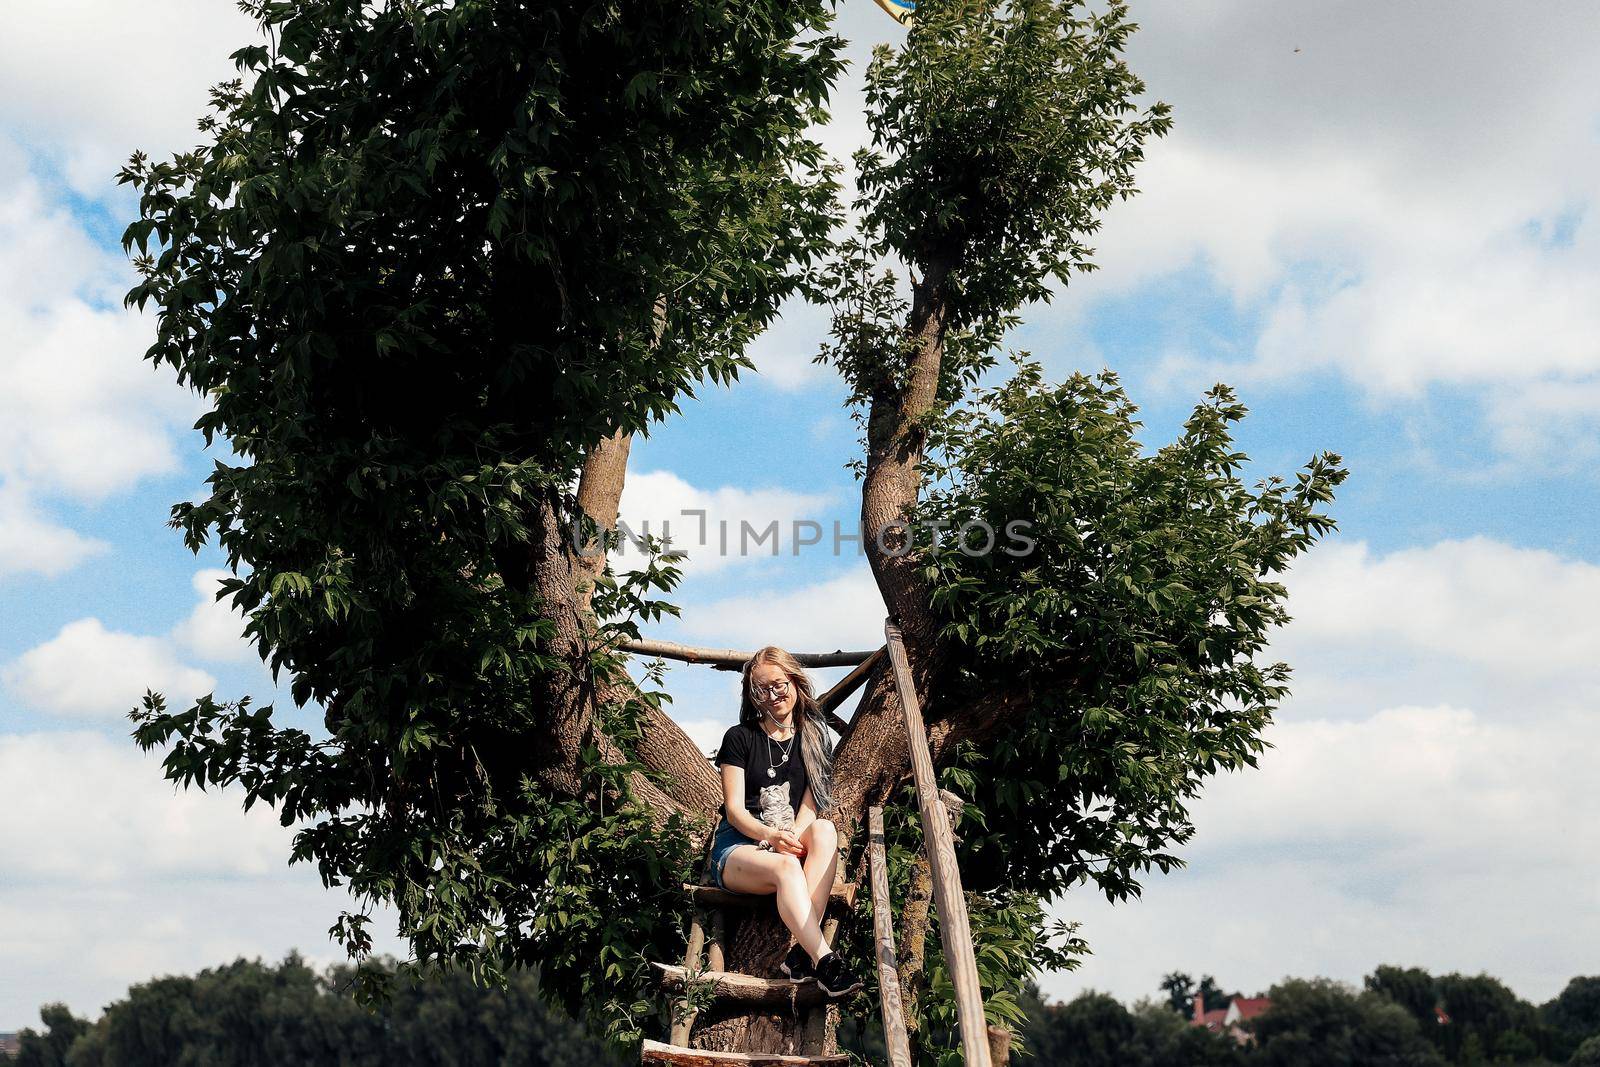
954, 929
849, 683
733, 659
894, 1023
681, 1028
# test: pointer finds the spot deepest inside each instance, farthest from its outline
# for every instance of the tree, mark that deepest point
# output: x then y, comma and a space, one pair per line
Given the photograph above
1574, 1014
434, 263
49, 1049
1586, 1054
1094, 1028
1413, 988
247, 1013
1179, 988
1320, 1021
1487, 1021
438, 262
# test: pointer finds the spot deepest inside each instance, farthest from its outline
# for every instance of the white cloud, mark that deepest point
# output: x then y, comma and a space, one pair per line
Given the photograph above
1428, 800
82, 414
94, 811
735, 524
1421, 836
31, 544
845, 612
1523, 611
213, 630
102, 78
1395, 205
1475, 622
113, 876
783, 354
88, 670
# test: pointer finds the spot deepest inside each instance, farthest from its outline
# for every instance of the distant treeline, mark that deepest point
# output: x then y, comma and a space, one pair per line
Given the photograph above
249, 1014
1402, 1017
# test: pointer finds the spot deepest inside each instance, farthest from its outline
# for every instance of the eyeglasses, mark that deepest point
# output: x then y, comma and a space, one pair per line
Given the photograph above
776, 689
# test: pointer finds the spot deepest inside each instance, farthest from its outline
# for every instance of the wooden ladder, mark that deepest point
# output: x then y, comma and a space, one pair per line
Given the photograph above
705, 958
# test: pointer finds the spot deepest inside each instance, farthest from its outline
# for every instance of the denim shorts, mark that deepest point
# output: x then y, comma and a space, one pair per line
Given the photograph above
727, 839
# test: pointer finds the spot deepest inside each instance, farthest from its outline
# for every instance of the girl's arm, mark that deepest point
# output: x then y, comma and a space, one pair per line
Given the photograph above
733, 805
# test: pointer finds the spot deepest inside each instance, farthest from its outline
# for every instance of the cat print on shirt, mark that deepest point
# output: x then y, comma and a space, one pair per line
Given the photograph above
776, 811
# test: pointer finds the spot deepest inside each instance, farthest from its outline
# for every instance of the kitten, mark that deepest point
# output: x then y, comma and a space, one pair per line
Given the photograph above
776, 811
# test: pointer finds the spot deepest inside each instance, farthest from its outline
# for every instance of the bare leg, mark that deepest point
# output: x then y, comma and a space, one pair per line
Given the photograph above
821, 863
750, 870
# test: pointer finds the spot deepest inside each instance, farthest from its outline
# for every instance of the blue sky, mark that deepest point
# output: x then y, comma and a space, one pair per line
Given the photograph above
1381, 232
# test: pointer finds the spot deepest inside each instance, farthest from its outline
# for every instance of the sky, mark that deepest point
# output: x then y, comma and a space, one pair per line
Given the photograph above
1376, 221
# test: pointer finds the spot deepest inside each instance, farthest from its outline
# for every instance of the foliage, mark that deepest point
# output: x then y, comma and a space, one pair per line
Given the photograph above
51, 1047
1181, 991
589, 893
246, 1013
1321, 1022
1488, 1022
1586, 1054
1484, 1021
1095, 1030
1413, 988
1014, 941
1000, 131
1574, 1014
429, 254
1135, 618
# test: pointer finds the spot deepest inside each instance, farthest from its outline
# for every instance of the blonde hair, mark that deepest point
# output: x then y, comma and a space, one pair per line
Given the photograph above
814, 750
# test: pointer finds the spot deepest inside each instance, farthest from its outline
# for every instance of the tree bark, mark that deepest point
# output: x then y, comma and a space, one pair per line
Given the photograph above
605, 469
913, 947
874, 758
568, 699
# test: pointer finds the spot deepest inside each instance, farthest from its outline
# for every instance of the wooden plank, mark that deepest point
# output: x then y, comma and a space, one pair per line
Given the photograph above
894, 1023
710, 896
731, 659
656, 1052
732, 987
716, 938
955, 931
849, 684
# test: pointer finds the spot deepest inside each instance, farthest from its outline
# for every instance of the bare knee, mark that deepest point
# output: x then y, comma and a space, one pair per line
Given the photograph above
824, 833
790, 870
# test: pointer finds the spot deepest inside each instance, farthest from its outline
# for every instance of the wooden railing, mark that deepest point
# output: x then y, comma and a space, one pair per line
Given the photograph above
955, 932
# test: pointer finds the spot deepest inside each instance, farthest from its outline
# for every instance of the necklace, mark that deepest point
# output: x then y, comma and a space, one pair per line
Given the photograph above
773, 765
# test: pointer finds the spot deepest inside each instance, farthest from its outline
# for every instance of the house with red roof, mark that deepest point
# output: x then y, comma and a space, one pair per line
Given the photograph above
1228, 1020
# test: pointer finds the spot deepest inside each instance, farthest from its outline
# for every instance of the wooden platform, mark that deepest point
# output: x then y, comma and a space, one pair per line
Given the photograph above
709, 896
735, 988
657, 1052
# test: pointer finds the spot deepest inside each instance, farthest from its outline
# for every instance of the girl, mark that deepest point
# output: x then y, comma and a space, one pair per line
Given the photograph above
776, 775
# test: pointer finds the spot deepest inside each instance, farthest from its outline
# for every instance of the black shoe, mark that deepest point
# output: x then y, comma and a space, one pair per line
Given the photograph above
797, 964
835, 976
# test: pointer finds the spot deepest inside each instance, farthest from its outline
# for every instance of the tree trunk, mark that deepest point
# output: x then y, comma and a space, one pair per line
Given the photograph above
875, 757
757, 943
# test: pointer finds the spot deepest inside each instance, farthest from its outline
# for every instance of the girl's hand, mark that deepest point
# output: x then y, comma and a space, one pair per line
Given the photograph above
786, 842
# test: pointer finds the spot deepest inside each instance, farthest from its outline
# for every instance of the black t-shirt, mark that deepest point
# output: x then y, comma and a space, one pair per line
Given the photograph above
773, 798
